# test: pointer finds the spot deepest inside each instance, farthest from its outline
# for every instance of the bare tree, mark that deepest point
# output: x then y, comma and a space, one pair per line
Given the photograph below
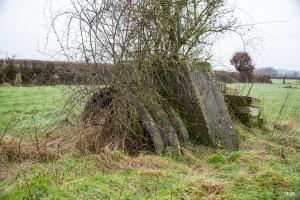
242, 61
109, 31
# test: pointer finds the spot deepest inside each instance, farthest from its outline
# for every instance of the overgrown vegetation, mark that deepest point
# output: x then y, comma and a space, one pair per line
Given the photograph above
154, 47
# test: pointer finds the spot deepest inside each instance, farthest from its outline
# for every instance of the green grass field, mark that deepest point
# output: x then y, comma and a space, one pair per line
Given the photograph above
42, 106
267, 166
28, 108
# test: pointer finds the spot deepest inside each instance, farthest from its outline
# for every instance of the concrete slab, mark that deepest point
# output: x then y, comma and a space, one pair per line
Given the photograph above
242, 101
244, 110
196, 96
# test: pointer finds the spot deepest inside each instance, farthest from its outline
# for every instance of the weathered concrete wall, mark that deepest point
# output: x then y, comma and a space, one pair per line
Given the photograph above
195, 95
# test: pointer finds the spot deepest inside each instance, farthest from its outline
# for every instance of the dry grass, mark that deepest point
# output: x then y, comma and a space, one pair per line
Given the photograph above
111, 161
7, 170
49, 146
18, 153
285, 127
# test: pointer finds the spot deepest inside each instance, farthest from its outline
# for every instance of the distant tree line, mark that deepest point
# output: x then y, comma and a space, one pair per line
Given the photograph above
279, 74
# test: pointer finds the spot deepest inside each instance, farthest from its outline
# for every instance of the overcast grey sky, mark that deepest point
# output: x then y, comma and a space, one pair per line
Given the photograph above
275, 42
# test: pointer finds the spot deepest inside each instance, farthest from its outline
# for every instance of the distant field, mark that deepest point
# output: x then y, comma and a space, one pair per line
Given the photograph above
273, 97
288, 81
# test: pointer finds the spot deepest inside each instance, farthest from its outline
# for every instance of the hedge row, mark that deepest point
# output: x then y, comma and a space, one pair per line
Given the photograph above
234, 77
35, 72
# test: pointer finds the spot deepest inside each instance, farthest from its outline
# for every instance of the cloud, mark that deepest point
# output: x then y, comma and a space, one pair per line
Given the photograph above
2, 2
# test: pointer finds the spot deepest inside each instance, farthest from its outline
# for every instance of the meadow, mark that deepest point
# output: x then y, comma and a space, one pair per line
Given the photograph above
28, 108
267, 166
42, 107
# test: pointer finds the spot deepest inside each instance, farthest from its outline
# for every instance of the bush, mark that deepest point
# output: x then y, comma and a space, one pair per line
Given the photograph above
1, 71
10, 71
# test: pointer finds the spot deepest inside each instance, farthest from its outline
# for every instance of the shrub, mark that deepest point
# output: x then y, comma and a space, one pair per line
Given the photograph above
1, 71
10, 71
